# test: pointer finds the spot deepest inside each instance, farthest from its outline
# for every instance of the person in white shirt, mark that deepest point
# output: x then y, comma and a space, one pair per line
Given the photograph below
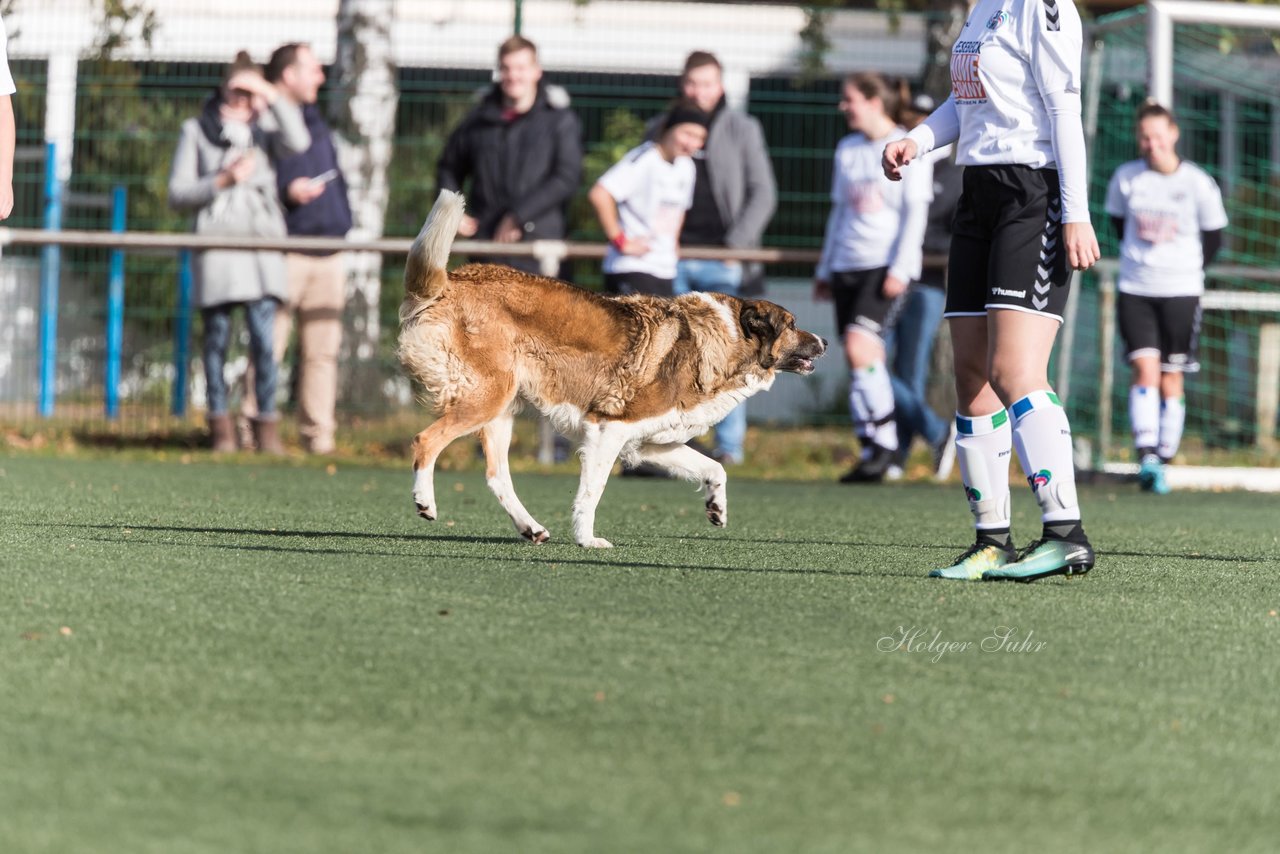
1170, 218
8, 131
641, 203
871, 251
1022, 222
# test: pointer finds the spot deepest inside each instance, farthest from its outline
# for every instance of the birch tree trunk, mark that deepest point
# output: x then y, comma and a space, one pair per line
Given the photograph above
944, 26
363, 115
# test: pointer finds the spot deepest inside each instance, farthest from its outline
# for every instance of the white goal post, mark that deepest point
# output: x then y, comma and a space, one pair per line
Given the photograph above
1191, 65
1162, 15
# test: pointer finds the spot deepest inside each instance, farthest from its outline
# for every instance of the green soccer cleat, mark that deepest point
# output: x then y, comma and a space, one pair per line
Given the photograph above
1151, 477
1043, 558
981, 557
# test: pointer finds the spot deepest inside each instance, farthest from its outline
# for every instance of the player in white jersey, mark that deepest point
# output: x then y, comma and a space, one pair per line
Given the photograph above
1169, 215
8, 133
872, 250
1022, 220
641, 202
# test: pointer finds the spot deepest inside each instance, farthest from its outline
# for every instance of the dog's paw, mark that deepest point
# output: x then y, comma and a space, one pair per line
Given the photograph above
717, 514
596, 543
536, 537
426, 511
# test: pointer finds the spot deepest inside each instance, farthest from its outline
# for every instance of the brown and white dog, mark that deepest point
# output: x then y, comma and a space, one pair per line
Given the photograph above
634, 376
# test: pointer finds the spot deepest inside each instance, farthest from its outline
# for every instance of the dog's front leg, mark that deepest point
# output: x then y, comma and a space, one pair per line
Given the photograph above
685, 462
600, 448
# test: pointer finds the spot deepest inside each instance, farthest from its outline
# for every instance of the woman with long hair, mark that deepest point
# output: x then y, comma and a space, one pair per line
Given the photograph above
871, 252
222, 170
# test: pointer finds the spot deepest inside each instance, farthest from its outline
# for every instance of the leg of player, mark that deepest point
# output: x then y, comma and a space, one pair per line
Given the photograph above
870, 404
1020, 346
1144, 414
983, 450
1173, 415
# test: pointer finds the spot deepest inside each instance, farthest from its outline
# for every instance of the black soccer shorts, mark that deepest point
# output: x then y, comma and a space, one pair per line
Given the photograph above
1168, 327
861, 303
1006, 248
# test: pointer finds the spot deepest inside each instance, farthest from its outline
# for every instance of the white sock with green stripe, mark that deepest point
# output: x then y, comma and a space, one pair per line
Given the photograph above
983, 445
1042, 437
871, 405
1144, 416
1173, 415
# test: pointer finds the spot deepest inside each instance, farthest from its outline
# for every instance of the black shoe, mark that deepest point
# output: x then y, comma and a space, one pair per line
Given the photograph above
871, 468
645, 470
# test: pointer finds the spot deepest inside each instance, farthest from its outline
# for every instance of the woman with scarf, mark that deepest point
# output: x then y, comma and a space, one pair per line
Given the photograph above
223, 171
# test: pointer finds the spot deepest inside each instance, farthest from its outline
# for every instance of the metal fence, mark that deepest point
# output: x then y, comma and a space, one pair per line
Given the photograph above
114, 118
96, 126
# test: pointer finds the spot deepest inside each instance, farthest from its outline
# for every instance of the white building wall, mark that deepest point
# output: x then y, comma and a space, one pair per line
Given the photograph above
603, 35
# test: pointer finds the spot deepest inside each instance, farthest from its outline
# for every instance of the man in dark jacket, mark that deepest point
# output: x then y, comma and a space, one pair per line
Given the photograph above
521, 148
314, 194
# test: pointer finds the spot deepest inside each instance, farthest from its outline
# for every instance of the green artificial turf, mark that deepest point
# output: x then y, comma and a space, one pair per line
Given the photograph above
255, 658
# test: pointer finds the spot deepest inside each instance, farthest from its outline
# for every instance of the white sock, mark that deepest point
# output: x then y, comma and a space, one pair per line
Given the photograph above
1144, 415
871, 405
1173, 415
983, 449
1042, 437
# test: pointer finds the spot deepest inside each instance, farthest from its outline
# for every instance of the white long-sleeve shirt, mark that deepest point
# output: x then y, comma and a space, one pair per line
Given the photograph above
875, 222
1015, 94
6, 78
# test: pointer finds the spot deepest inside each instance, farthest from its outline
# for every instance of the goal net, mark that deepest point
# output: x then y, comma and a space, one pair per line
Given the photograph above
1217, 65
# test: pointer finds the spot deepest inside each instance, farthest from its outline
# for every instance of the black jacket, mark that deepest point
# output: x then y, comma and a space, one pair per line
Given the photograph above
528, 166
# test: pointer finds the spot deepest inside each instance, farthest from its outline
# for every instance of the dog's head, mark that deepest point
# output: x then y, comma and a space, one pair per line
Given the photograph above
779, 345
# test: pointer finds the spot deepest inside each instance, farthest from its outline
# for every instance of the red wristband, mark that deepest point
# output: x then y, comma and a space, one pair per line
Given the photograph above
619, 241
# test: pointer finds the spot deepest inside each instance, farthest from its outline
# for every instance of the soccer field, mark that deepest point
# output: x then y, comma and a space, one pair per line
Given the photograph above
252, 657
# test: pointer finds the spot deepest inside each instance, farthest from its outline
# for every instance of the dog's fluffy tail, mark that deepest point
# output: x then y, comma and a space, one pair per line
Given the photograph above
424, 274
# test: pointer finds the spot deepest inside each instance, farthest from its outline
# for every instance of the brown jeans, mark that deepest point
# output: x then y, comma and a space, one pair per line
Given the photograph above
317, 295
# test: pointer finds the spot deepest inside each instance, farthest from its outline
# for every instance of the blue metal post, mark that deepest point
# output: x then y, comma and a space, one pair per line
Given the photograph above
115, 304
50, 273
182, 335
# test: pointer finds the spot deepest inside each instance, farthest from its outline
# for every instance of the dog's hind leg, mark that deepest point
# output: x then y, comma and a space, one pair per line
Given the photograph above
496, 439
600, 448
683, 461
458, 420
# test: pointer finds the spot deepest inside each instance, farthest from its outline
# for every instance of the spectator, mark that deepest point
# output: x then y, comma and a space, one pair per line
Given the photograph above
641, 202
222, 171
734, 197
314, 193
521, 150
8, 133
1169, 215
870, 253
911, 338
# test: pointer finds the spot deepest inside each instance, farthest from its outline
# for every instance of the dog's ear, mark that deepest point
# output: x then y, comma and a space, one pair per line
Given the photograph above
756, 323
760, 326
